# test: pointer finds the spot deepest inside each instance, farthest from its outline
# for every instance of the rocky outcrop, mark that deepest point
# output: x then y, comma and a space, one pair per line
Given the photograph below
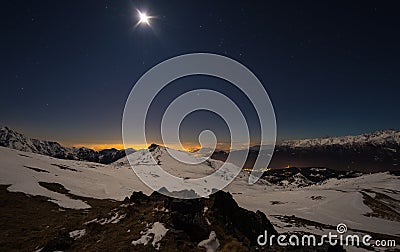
192, 220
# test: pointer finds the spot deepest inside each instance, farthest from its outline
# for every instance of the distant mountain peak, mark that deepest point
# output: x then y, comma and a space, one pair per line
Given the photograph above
153, 147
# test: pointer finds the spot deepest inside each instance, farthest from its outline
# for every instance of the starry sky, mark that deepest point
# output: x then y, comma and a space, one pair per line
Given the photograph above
330, 67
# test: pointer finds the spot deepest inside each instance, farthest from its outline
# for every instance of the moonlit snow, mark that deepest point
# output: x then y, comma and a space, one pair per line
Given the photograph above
331, 202
211, 244
155, 233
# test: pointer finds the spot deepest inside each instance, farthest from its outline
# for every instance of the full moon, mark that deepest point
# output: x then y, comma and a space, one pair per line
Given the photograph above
143, 18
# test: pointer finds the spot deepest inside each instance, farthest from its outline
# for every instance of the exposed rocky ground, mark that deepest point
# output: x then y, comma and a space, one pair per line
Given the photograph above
301, 177
139, 223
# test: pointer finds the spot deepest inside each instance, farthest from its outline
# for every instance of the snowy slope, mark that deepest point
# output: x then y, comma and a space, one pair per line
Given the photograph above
329, 203
144, 164
23, 171
333, 202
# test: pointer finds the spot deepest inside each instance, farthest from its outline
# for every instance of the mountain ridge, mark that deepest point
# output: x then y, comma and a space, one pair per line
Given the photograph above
12, 139
380, 137
368, 152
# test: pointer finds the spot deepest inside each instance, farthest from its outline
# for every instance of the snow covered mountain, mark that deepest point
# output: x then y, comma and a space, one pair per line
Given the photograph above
296, 200
82, 206
374, 152
12, 139
388, 138
294, 203
292, 200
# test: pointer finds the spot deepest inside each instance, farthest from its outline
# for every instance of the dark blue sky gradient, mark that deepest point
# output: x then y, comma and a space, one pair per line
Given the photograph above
330, 67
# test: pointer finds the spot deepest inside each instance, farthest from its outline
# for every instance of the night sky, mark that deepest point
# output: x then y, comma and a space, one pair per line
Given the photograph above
330, 67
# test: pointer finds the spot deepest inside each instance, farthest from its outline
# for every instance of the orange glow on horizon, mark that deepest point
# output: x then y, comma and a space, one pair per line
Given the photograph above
189, 147
98, 147
120, 146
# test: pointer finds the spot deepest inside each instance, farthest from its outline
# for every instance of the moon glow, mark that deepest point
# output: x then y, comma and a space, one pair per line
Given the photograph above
143, 18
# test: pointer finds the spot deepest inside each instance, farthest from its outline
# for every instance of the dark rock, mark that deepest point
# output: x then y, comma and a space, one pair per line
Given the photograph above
196, 218
137, 197
225, 210
60, 243
153, 146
